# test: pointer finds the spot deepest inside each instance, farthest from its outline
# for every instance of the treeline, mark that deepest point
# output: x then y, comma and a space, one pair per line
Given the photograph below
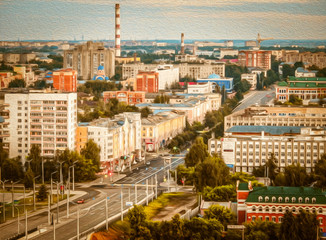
294, 175
87, 165
303, 226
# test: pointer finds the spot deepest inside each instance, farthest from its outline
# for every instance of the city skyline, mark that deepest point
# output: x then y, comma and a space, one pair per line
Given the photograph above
164, 19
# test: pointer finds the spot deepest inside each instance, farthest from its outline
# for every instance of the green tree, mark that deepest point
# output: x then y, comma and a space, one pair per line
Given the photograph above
28, 178
320, 169
304, 226
17, 83
220, 213
223, 193
185, 174
42, 193
92, 151
197, 153
262, 230
280, 180
211, 172
145, 112
12, 169
287, 70
35, 159
296, 176
138, 223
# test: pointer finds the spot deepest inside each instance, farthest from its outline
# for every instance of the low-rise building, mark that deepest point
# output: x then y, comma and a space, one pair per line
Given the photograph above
158, 129
250, 78
246, 147
306, 88
119, 139
278, 115
271, 203
228, 52
197, 71
200, 88
217, 80
302, 72
128, 97
195, 107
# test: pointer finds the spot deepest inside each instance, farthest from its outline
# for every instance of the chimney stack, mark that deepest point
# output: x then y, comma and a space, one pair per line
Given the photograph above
182, 43
117, 31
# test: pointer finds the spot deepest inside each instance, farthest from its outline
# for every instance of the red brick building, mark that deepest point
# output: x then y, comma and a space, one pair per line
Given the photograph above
255, 58
129, 97
147, 81
270, 203
65, 80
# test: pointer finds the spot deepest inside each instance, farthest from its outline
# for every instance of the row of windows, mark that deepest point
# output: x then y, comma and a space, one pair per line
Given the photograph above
287, 199
286, 209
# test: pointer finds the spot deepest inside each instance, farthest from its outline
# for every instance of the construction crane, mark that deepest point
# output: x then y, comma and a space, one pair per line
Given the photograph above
259, 40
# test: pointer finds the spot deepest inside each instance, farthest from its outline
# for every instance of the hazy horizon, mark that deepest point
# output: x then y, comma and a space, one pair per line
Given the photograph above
163, 19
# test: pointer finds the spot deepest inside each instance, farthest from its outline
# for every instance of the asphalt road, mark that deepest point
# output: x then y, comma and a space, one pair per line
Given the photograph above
259, 97
91, 216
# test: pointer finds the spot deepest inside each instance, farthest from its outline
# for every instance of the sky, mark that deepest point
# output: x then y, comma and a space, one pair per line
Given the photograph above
162, 19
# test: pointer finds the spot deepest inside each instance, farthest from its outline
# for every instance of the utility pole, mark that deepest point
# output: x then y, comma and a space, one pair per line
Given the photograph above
12, 196
53, 229
17, 220
34, 193
176, 180
3, 200
155, 186
68, 195
52, 187
42, 170
135, 193
73, 175
49, 211
26, 231
77, 223
106, 213
121, 194
146, 191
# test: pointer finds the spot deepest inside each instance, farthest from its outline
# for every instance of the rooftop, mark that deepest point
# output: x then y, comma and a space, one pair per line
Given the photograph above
290, 192
272, 130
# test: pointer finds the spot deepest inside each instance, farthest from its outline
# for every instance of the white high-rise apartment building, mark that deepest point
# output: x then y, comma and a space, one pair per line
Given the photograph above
48, 119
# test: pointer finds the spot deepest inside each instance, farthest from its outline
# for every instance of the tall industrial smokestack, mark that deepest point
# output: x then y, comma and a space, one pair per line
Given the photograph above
182, 43
117, 31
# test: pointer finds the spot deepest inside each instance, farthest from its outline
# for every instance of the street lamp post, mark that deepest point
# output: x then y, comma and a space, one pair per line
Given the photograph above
17, 219
42, 170
68, 195
34, 205
61, 180
57, 183
73, 175
52, 187
3, 199
12, 195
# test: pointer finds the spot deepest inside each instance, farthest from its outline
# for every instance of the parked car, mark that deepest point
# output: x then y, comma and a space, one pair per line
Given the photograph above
80, 201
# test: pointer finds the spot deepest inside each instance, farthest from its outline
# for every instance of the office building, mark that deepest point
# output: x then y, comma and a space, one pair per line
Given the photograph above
255, 58
65, 80
86, 58
247, 147
277, 116
197, 71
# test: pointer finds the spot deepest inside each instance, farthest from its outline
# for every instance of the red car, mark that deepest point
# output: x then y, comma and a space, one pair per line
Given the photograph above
80, 201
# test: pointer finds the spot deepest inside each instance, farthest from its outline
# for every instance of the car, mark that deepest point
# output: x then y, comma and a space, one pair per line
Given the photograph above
80, 201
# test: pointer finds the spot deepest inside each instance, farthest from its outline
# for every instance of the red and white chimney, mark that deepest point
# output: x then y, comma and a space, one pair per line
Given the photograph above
182, 43
117, 30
